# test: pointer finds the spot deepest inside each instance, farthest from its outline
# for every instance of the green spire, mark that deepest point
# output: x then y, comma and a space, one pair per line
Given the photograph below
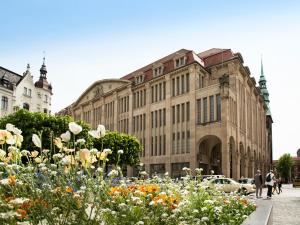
263, 87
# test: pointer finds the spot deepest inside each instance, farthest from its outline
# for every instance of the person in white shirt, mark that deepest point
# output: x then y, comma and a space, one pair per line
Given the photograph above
269, 182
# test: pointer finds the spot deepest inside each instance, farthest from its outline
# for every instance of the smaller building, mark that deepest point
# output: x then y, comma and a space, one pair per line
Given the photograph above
20, 91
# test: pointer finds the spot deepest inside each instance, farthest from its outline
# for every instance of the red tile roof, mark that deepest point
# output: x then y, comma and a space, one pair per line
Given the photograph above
206, 59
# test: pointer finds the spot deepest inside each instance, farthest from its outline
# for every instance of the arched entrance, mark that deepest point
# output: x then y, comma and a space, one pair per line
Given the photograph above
242, 161
250, 167
210, 154
233, 158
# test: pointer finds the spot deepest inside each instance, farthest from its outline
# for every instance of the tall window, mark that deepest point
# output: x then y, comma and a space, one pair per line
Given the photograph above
4, 103
188, 111
211, 108
204, 110
25, 91
219, 107
198, 111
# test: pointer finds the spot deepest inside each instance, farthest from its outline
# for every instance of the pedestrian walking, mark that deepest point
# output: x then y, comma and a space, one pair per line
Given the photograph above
269, 182
275, 186
258, 183
279, 185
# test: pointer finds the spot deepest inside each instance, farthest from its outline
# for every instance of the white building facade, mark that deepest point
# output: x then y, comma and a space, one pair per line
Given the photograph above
19, 91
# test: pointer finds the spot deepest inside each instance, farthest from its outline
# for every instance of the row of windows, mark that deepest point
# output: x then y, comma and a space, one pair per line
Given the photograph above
123, 125
123, 104
87, 116
181, 142
109, 109
211, 114
181, 84
158, 71
158, 145
181, 113
139, 98
27, 92
158, 92
158, 118
97, 115
139, 123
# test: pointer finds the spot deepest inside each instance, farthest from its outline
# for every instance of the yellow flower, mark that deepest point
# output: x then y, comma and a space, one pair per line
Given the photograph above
12, 180
34, 154
69, 189
4, 135
38, 160
58, 143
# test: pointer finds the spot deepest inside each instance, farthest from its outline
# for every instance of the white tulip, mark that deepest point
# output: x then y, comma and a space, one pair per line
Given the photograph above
11, 140
94, 134
65, 137
10, 127
75, 128
101, 130
36, 141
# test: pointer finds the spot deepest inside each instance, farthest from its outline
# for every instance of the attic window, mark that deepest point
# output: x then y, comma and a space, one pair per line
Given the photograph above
139, 79
180, 61
158, 71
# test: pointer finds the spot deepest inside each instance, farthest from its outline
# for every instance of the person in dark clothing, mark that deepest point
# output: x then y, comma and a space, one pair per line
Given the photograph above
279, 183
258, 183
269, 182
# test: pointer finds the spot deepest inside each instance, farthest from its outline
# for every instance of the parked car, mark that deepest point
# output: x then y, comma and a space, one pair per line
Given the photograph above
229, 185
208, 177
247, 181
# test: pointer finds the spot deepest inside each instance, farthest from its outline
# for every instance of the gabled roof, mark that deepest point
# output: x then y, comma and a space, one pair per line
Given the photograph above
17, 77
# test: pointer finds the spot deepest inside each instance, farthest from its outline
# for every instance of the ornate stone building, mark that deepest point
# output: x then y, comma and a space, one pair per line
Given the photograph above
188, 110
19, 91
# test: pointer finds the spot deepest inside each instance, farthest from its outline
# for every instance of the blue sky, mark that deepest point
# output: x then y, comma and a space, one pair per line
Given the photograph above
90, 40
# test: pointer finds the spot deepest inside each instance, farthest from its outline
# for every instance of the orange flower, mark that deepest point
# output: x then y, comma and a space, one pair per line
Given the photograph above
22, 213
69, 189
9, 198
12, 180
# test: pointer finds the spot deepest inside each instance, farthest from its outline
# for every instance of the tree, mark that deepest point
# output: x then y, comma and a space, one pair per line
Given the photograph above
120, 141
284, 166
49, 126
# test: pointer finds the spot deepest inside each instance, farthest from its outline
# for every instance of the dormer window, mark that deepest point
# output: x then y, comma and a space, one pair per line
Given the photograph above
139, 79
157, 71
180, 61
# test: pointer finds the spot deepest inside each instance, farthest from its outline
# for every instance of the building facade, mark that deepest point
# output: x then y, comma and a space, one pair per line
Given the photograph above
19, 91
188, 110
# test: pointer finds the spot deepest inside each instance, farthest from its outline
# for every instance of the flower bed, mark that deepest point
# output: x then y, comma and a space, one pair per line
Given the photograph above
71, 187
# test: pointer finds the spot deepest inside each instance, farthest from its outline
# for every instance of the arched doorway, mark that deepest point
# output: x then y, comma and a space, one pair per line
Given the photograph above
233, 158
242, 161
210, 155
250, 158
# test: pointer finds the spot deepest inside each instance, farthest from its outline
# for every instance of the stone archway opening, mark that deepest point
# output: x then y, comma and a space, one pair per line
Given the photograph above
232, 158
210, 154
242, 161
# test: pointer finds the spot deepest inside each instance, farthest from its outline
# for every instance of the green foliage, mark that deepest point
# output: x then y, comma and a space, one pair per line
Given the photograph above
40, 123
284, 166
120, 141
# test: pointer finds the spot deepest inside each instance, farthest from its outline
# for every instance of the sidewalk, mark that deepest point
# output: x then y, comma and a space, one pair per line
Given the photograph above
286, 205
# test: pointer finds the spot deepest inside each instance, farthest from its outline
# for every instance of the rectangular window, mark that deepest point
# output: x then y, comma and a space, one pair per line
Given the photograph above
173, 87
173, 114
204, 110
156, 93
152, 146
29, 92
182, 112
155, 146
160, 118
182, 84
198, 111
152, 94
211, 108
177, 85
4, 103
152, 120
164, 90
188, 111
25, 91
160, 91
187, 82
219, 107
164, 117
178, 113
156, 122
144, 97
